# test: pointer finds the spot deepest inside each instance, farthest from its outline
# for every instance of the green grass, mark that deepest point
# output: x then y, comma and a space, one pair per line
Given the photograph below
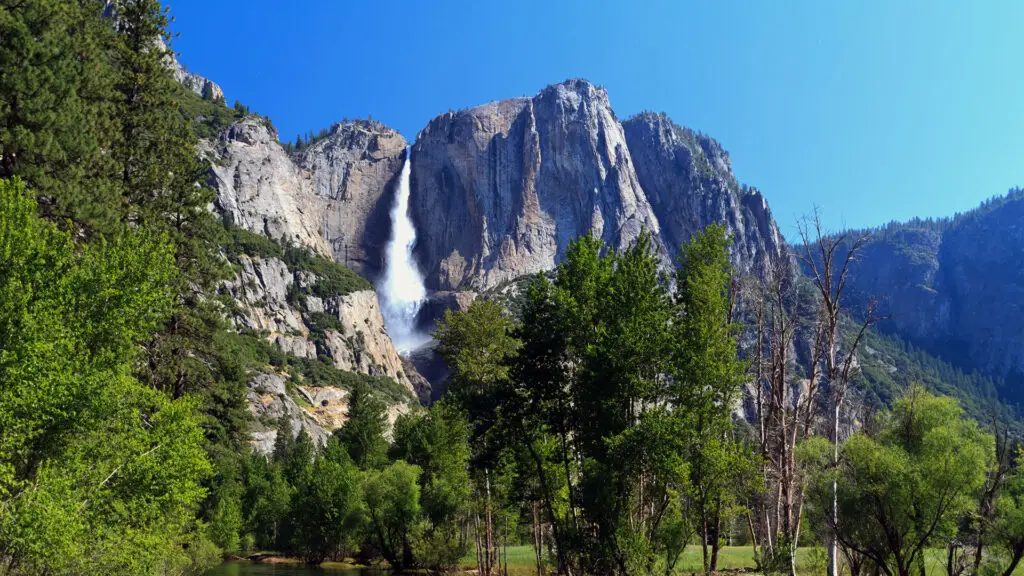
810, 561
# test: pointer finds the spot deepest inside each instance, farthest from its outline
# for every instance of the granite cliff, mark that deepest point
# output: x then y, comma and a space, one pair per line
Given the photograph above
332, 196
322, 209
499, 190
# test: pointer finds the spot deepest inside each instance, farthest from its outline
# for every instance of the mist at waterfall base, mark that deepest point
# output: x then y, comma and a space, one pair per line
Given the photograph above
401, 291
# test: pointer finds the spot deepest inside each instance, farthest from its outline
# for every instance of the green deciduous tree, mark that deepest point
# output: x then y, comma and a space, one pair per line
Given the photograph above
438, 442
266, 501
1006, 529
707, 378
329, 507
615, 397
98, 474
363, 433
393, 506
907, 486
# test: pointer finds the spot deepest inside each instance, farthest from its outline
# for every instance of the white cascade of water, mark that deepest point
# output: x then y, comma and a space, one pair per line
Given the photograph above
402, 291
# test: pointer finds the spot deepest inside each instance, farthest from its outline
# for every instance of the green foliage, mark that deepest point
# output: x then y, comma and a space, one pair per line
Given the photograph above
1007, 528
98, 473
478, 345
891, 365
437, 442
362, 436
611, 400
907, 486
209, 117
266, 501
250, 244
332, 279
329, 507
58, 103
226, 524
393, 507
707, 377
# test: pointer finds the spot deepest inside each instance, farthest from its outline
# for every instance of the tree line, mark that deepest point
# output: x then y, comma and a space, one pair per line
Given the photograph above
401, 501
629, 425
120, 398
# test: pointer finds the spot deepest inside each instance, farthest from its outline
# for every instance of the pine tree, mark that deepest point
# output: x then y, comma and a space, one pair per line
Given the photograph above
56, 100
363, 433
159, 168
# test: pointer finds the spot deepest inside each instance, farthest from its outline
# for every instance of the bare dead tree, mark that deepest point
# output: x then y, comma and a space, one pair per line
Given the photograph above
829, 271
1005, 447
785, 410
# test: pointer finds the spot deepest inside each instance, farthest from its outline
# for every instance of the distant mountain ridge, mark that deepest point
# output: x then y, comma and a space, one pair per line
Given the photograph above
954, 287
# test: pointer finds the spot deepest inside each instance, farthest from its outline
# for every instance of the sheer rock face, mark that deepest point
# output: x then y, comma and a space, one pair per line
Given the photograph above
499, 190
334, 196
353, 172
688, 180
260, 187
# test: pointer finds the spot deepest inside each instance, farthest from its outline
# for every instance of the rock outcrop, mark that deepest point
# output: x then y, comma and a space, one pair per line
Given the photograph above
346, 329
270, 403
355, 340
333, 196
261, 188
353, 171
316, 410
688, 180
204, 87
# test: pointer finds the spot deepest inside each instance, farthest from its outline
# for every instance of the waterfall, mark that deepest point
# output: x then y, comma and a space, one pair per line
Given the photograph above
402, 291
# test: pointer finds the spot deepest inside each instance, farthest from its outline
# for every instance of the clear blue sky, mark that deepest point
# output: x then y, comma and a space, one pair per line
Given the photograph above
872, 110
